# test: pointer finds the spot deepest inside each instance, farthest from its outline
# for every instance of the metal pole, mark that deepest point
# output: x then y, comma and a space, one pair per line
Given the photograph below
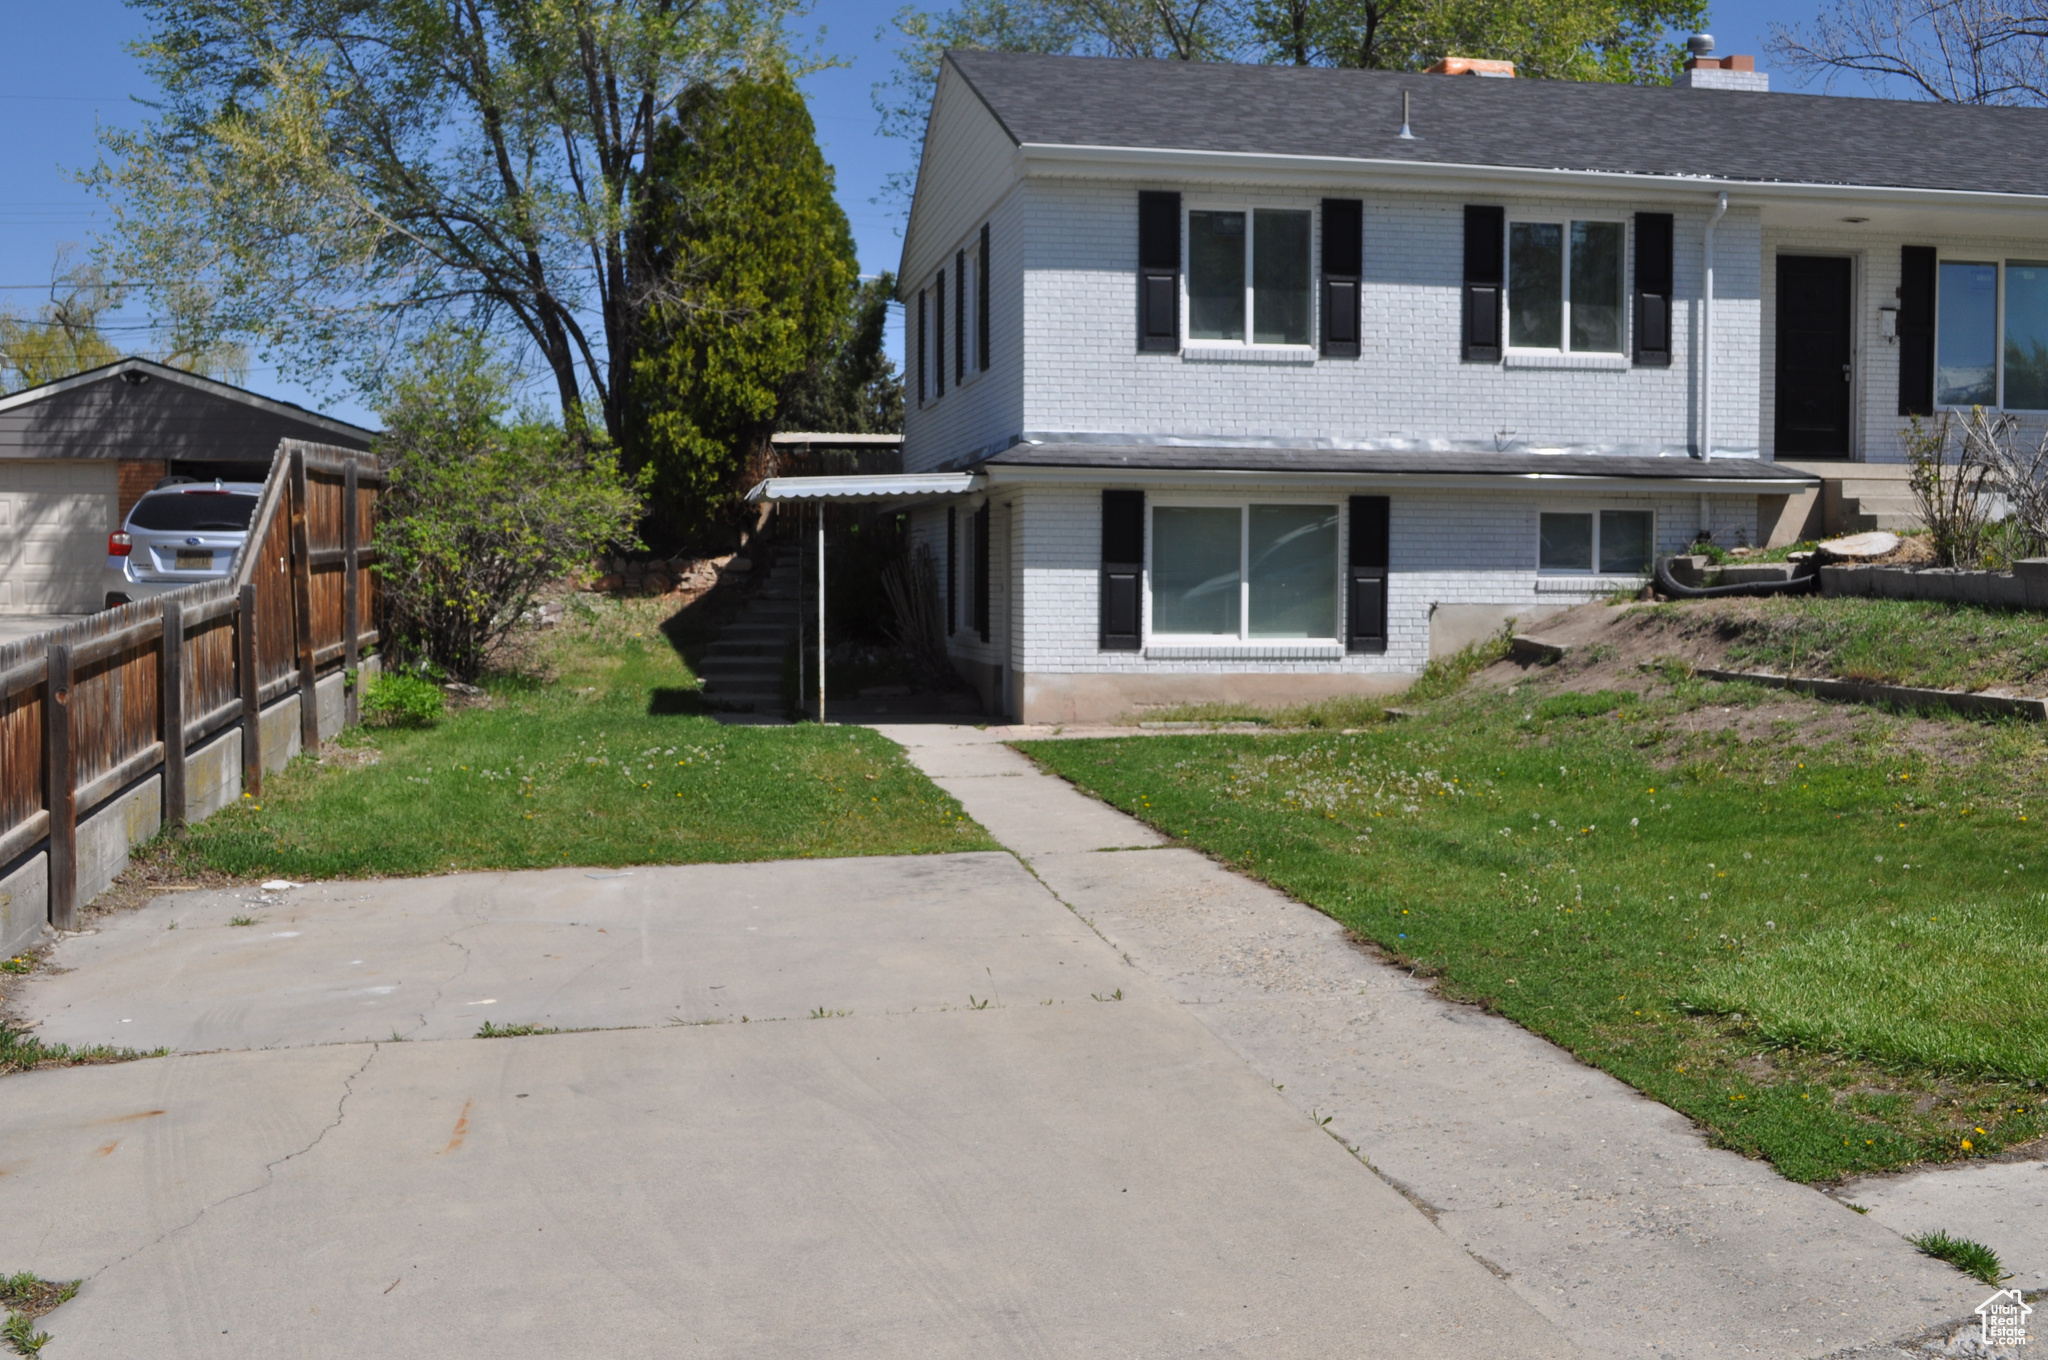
821, 612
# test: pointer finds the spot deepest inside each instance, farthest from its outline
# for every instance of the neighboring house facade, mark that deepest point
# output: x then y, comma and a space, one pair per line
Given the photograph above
77, 453
1277, 382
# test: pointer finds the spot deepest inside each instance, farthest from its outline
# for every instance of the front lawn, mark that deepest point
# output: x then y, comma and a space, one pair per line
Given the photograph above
1820, 932
610, 760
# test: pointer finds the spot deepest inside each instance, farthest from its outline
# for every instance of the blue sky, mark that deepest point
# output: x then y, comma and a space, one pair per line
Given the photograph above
65, 71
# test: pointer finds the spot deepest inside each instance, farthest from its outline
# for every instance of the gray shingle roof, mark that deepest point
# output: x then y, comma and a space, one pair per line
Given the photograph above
1104, 457
1534, 124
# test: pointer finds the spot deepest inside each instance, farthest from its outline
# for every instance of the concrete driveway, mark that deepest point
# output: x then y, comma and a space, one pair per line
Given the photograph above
890, 1107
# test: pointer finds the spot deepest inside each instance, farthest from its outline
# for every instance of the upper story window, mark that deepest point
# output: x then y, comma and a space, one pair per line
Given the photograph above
1248, 276
1988, 354
1565, 285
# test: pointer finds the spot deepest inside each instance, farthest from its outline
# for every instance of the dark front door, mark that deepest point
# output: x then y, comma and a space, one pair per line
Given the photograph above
1813, 357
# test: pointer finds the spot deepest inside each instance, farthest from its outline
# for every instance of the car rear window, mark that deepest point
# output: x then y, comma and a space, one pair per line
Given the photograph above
193, 510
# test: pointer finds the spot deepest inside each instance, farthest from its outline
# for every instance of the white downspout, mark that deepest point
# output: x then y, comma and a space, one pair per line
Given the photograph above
1707, 339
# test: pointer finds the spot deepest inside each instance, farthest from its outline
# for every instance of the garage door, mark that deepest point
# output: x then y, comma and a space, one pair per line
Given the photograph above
54, 522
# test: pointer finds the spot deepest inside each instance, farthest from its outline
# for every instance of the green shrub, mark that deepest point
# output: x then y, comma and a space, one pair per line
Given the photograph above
401, 700
485, 506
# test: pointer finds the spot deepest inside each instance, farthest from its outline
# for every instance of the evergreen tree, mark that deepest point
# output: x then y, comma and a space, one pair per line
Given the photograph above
854, 388
752, 262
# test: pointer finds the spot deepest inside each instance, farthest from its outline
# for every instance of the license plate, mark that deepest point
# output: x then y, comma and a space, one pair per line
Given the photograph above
201, 560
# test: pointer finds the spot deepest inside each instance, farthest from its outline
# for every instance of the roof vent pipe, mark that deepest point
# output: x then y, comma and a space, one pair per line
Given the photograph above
1407, 135
1699, 45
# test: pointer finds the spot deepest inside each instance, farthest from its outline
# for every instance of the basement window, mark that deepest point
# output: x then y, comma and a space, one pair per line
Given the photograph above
1620, 542
1245, 572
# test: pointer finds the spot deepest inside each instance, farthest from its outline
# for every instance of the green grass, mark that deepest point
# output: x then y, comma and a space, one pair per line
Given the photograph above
1972, 1258
21, 1051
1738, 927
491, 1031
25, 1297
611, 761
1901, 642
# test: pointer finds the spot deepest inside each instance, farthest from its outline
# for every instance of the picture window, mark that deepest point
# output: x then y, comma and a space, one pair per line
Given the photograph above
1250, 572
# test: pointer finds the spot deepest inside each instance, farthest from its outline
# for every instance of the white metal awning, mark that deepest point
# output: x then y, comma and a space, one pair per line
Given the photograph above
872, 486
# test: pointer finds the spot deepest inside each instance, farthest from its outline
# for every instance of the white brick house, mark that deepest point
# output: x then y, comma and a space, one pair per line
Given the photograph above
1273, 383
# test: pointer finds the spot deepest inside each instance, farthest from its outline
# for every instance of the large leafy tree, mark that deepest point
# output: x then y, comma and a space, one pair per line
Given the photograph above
67, 335
741, 223
1956, 51
332, 178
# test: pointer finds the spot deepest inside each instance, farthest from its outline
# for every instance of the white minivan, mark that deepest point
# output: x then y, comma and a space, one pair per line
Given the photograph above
180, 532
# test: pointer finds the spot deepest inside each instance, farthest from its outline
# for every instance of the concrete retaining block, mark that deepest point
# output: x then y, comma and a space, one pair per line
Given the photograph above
1903, 696
280, 728
2021, 589
330, 703
106, 837
24, 905
213, 775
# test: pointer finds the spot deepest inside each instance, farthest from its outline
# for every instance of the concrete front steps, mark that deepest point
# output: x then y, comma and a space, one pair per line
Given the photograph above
1856, 497
743, 668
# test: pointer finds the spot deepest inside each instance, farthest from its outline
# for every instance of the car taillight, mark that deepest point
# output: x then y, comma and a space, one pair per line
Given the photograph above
118, 544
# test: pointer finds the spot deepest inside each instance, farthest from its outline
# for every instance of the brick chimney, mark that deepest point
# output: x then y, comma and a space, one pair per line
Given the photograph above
1472, 66
1705, 71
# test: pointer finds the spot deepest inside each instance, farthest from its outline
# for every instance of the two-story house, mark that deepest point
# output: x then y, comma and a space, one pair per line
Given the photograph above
1270, 383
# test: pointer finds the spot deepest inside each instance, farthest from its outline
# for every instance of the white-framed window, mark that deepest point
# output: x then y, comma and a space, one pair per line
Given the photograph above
1249, 275
966, 346
1596, 542
1991, 334
1251, 571
1566, 284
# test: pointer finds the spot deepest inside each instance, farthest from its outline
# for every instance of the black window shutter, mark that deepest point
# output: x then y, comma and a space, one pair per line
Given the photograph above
952, 567
1484, 277
1123, 568
1916, 330
981, 304
981, 557
920, 347
1653, 290
1159, 272
1343, 266
1365, 591
939, 335
959, 316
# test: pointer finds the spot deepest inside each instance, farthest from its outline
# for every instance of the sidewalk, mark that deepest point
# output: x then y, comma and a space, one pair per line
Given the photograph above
1604, 1210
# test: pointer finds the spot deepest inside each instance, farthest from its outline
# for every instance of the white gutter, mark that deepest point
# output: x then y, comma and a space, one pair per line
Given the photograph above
1109, 161
999, 475
1706, 449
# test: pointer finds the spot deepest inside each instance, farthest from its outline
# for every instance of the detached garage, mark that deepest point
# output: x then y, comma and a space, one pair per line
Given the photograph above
77, 453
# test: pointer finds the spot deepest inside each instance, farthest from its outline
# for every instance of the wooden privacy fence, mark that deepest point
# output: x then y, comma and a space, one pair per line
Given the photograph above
91, 712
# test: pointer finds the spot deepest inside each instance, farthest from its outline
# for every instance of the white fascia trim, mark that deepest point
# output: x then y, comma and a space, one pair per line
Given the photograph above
30, 396
1112, 162
1472, 481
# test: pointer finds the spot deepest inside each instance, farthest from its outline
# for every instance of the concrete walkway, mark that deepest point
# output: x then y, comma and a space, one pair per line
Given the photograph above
877, 1108
1602, 1209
